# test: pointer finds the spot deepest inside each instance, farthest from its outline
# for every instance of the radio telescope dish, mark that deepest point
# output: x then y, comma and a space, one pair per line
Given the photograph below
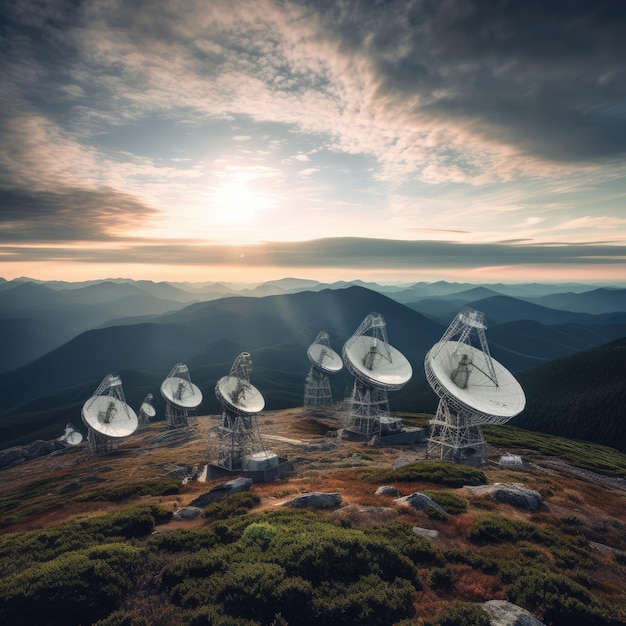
71, 437
235, 391
107, 416
181, 396
377, 368
324, 360
239, 439
146, 410
473, 389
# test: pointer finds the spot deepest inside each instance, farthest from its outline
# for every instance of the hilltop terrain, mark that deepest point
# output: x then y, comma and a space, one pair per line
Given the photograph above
95, 539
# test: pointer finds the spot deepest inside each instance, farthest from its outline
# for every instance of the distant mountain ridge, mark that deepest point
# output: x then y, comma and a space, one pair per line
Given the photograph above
37, 398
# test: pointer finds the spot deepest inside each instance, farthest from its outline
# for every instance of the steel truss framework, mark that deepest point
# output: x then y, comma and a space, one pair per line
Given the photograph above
100, 444
143, 417
238, 435
317, 392
454, 436
367, 406
176, 417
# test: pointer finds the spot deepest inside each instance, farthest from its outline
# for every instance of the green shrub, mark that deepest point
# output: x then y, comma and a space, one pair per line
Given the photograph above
124, 618
231, 506
492, 528
159, 487
558, 598
366, 601
441, 578
449, 502
71, 589
441, 473
460, 614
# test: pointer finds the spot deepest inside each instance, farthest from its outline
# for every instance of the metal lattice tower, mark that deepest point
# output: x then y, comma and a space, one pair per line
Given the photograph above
377, 368
324, 360
462, 373
238, 435
181, 396
146, 410
107, 416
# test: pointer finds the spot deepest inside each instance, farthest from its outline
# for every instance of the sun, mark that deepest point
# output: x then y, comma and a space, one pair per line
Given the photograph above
237, 203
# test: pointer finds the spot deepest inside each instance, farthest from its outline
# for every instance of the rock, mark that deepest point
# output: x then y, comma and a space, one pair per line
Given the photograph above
503, 613
71, 485
12, 456
41, 448
514, 494
433, 535
187, 512
420, 501
315, 500
360, 515
388, 490
221, 491
398, 463
18, 455
178, 471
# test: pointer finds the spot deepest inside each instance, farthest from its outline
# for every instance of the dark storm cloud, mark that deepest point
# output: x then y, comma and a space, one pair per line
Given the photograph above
548, 77
72, 214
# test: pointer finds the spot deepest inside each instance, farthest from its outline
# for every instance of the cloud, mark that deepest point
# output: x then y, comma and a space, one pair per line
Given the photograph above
102, 215
353, 253
456, 92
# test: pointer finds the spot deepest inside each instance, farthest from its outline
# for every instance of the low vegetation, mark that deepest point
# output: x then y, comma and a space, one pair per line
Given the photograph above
439, 473
583, 454
249, 567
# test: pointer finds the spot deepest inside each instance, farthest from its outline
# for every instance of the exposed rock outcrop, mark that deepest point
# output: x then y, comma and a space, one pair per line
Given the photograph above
433, 535
421, 502
187, 512
221, 491
388, 490
315, 500
503, 613
515, 494
360, 515
21, 454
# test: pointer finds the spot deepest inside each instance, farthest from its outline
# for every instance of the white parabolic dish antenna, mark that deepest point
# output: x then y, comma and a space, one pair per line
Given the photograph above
376, 362
71, 436
492, 394
147, 409
324, 358
181, 392
235, 391
109, 416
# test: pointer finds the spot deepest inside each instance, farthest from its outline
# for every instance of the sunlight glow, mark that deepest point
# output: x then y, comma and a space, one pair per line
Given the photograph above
236, 202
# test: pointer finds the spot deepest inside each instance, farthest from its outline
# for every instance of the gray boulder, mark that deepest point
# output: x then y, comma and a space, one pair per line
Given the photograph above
187, 512
515, 494
219, 492
433, 535
420, 501
315, 500
388, 490
12, 457
503, 613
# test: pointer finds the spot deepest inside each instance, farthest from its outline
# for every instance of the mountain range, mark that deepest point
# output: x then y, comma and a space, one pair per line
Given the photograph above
141, 329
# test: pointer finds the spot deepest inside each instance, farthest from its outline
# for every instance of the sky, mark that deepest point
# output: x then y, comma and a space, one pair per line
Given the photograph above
396, 140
